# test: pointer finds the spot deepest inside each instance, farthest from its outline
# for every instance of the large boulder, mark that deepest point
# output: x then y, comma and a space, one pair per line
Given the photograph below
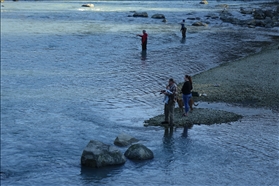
139, 152
124, 140
97, 154
158, 16
140, 14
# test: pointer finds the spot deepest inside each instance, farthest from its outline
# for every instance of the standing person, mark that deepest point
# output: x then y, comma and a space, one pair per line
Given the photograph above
183, 28
187, 94
169, 107
143, 39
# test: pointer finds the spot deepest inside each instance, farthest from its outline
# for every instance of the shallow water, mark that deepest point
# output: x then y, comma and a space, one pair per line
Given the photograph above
71, 74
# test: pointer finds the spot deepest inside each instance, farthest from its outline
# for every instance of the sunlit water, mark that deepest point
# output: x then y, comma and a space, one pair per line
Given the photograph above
70, 74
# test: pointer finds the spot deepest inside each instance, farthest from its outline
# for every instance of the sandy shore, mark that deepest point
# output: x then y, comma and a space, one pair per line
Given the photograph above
252, 81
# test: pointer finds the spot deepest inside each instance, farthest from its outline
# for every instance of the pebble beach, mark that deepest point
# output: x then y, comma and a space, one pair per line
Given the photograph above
252, 81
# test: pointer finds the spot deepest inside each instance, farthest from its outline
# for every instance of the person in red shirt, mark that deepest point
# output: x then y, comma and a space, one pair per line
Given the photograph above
143, 39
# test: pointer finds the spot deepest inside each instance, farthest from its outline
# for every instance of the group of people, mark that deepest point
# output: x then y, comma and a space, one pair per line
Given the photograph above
171, 95
144, 35
171, 90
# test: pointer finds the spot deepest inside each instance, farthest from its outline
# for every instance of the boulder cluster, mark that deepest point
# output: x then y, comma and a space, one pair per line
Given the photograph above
145, 15
98, 154
267, 18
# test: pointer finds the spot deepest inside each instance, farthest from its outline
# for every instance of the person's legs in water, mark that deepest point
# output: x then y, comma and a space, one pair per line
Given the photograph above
184, 32
144, 45
171, 111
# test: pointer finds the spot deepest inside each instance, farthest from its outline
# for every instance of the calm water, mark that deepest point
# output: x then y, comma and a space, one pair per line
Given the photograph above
71, 74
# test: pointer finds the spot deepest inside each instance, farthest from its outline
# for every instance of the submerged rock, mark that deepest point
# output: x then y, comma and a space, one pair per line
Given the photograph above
97, 154
124, 140
158, 16
140, 14
139, 152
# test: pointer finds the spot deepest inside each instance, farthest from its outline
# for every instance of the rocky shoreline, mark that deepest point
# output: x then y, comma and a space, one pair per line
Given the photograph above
251, 82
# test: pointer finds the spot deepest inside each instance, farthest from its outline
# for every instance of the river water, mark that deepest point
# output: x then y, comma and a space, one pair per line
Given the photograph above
71, 74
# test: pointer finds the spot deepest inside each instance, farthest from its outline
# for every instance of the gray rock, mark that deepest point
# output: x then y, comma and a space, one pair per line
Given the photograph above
243, 11
197, 116
124, 140
269, 13
199, 24
140, 14
139, 152
158, 16
191, 18
259, 14
204, 2
97, 154
88, 5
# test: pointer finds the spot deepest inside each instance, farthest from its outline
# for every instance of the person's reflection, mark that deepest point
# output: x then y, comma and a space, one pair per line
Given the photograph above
143, 55
168, 141
185, 130
168, 132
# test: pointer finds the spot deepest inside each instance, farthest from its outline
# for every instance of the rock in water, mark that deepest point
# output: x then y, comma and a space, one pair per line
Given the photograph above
97, 154
88, 5
158, 16
124, 140
204, 2
139, 152
140, 14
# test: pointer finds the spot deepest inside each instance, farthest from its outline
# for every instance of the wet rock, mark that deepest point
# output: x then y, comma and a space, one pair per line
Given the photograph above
204, 2
191, 18
164, 20
243, 11
259, 14
124, 140
197, 116
269, 13
97, 154
140, 14
199, 24
88, 5
158, 16
139, 152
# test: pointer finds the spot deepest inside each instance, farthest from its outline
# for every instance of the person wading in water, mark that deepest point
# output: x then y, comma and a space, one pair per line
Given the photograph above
183, 29
143, 39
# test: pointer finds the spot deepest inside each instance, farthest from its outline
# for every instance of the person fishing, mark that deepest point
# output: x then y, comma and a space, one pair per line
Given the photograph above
143, 39
169, 106
183, 28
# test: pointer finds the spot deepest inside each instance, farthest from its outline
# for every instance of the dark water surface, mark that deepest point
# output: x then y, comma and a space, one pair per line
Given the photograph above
69, 75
